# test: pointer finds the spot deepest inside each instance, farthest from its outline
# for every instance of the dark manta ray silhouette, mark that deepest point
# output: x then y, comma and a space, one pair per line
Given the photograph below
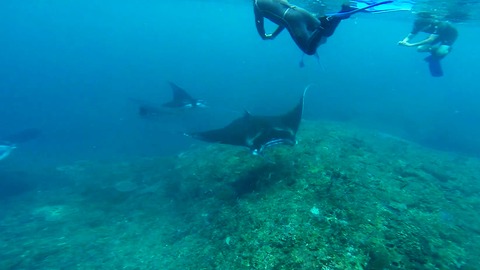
182, 100
257, 132
9, 143
151, 111
23, 136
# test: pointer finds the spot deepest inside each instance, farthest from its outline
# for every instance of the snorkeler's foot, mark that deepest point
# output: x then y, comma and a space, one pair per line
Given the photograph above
346, 8
345, 12
434, 65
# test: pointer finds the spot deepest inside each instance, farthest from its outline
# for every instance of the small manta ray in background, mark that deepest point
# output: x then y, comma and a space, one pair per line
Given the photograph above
8, 143
181, 101
5, 150
257, 132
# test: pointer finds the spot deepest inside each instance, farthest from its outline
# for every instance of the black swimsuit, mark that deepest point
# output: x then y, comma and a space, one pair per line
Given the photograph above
306, 30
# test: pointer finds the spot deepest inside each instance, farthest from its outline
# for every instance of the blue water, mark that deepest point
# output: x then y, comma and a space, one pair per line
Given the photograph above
70, 69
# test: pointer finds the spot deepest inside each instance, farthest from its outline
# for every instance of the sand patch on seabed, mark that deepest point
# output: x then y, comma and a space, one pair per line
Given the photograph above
53, 212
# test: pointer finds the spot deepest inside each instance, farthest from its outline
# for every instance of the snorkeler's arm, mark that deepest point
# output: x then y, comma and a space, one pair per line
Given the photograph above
260, 24
276, 32
428, 40
405, 41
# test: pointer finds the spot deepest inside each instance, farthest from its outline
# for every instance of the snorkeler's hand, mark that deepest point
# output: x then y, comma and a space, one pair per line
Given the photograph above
404, 43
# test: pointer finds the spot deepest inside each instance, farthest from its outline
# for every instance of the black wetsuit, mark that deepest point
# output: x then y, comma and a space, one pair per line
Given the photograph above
447, 33
306, 30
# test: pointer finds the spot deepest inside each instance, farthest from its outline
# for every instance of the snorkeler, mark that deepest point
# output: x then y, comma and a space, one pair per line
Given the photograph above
307, 30
439, 43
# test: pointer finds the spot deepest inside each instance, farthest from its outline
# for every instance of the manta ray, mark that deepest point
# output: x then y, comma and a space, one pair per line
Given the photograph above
5, 150
257, 132
9, 143
181, 101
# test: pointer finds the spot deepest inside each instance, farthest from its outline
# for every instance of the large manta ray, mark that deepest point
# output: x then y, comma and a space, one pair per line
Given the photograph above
257, 132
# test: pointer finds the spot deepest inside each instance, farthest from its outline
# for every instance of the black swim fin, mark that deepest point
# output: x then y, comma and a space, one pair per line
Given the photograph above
347, 11
301, 64
434, 65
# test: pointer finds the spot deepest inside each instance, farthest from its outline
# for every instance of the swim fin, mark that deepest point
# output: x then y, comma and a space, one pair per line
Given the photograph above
434, 65
346, 13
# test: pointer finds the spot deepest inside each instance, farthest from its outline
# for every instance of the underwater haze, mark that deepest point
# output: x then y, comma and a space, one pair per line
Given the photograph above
70, 69
385, 174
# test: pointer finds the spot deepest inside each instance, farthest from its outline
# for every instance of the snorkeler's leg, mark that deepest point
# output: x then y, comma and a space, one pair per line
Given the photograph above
304, 42
328, 25
434, 65
301, 37
300, 24
425, 48
347, 11
437, 53
315, 40
442, 50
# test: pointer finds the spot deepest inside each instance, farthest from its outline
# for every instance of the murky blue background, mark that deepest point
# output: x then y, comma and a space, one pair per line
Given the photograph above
71, 68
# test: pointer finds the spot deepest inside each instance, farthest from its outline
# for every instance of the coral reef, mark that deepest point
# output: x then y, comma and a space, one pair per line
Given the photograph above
342, 198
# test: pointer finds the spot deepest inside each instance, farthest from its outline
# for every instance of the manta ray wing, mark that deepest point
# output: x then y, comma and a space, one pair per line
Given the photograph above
292, 119
23, 136
180, 97
234, 133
